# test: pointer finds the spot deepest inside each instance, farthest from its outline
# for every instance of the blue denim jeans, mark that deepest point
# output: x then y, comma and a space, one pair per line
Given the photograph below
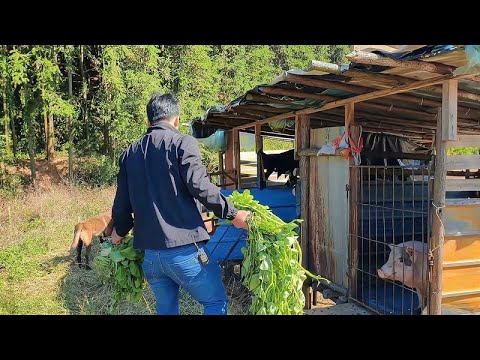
167, 270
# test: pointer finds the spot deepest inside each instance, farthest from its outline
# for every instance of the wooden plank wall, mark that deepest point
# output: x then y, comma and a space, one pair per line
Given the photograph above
461, 249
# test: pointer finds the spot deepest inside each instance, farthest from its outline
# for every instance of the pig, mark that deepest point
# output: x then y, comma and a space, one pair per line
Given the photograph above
408, 264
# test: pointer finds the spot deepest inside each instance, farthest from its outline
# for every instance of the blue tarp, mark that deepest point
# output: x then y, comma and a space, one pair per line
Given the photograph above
227, 242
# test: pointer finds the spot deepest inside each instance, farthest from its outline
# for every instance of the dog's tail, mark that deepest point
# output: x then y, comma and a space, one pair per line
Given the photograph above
76, 235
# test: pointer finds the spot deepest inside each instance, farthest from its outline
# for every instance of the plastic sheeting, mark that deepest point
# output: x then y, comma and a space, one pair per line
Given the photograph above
472, 53
215, 142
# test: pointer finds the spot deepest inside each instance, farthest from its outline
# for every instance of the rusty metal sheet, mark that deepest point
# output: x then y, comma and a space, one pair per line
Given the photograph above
462, 220
331, 229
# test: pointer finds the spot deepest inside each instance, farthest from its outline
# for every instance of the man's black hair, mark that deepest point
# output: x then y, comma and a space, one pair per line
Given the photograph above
162, 107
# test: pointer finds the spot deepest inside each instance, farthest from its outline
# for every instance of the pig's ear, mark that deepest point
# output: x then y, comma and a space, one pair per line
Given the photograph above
410, 250
391, 246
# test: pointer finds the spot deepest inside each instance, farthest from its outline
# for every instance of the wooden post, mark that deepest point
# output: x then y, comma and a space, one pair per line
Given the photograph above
229, 155
296, 143
221, 169
353, 192
436, 244
70, 131
449, 110
303, 136
236, 158
259, 147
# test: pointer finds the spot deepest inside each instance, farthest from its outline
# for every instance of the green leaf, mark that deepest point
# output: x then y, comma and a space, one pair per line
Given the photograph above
116, 256
264, 265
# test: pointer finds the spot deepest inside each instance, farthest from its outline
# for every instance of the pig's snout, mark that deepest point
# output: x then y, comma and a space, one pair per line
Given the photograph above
381, 273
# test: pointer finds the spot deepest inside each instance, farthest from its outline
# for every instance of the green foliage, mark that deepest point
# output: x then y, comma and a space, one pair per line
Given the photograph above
96, 171
464, 151
111, 85
121, 266
272, 265
276, 144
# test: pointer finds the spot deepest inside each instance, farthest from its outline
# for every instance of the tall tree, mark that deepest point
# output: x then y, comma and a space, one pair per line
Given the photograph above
19, 63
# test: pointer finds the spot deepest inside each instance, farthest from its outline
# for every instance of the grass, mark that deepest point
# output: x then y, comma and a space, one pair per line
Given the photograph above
37, 271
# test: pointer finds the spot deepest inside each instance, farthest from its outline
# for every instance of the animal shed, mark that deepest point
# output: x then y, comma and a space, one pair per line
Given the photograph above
408, 105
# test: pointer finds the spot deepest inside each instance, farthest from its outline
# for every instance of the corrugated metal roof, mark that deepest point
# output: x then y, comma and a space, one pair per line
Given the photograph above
298, 89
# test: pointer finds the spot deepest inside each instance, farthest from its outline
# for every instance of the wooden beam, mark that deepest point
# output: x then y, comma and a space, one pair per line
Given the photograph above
349, 114
463, 185
304, 143
314, 152
297, 146
398, 155
449, 110
362, 57
229, 156
221, 170
356, 89
282, 116
236, 158
395, 80
368, 106
354, 186
373, 108
261, 181
465, 141
268, 100
438, 231
326, 67
384, 79
353, 194
463, 162
295, 93
263, 108
383, 93
415, 99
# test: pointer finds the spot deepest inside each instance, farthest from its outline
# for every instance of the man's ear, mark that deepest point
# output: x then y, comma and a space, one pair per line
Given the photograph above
176, 122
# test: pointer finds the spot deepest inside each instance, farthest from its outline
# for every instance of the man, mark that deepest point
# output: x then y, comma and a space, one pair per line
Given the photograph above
162, 181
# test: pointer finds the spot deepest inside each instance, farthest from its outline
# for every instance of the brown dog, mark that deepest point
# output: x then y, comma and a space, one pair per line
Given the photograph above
100, 225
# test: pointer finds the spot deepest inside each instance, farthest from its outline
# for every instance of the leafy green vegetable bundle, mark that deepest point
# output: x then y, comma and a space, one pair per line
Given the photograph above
121, 266
272, 266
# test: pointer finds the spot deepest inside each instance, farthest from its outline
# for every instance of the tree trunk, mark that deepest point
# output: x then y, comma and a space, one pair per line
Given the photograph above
105, 137
45, 129
12, 115
6, 111
30, 134
14, 133
50, 139
70, 131
110, 141
84, 95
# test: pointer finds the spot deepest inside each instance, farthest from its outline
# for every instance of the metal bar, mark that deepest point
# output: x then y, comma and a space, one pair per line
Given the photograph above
389, 281
384, 246
460, 293
393, 240
369, 235
454, 264
376, 236
403, 228
363, 230
424, 239
391, 208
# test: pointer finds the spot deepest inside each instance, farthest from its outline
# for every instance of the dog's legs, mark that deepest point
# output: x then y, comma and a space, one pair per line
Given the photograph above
87, 256
79, 253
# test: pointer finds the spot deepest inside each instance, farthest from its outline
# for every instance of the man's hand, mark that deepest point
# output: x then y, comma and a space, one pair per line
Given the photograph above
116, 239
240, 220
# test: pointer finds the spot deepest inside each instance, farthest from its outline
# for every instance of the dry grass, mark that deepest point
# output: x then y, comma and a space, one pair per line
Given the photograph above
39, 274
